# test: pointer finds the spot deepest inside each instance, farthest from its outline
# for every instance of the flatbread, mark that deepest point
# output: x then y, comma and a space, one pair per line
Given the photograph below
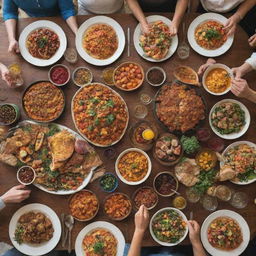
186, 75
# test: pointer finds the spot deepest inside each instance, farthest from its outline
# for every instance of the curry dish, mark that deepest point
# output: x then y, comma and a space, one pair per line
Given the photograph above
100, 41
210, 35
43, 43
179, 108
100, 242
100, 114
133, 166
33, 227
43, 102
225, 233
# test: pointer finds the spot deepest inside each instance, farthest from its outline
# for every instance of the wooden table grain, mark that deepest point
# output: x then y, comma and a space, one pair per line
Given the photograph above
234, 57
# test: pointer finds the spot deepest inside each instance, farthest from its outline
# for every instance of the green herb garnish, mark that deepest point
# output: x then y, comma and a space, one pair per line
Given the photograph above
42, 42
98, 248
190, 144
212, 34
110, 118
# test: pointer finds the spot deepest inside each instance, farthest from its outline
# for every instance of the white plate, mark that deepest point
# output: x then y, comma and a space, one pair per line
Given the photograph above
233, 135
244, 228
137, 33
231, 146
120, 175
36, 25
100, 224
100, 20
191, 35
164, 243
96, 144
43, 248
210, 68
62, 192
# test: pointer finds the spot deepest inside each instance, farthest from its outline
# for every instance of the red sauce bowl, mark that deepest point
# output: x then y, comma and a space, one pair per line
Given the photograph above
59, 75
26, 175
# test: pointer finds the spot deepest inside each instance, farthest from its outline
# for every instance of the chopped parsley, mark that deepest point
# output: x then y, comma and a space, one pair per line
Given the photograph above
110, 118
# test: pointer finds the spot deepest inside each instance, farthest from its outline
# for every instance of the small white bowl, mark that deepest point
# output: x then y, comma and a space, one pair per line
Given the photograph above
23, 183
133, 182
158, 68
58, 65
73, 76
210, 68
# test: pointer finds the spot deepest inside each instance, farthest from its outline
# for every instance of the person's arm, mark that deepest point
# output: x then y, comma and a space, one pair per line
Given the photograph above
194, 229
241, 89
238, 16
5, 74
14, 195
138, 13
248, 66
10, 16
203, 67
68, 13
141, 224
180, 9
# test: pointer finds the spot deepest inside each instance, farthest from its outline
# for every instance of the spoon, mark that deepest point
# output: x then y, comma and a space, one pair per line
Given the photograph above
69, 222
63, 229
174, 191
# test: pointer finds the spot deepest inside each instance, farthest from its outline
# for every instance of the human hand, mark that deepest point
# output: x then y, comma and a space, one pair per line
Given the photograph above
6, 76
173, 28
240, 88
16, 194
238, 72
230, 26
194, 230
141, 219
252, 41
145, 27
13, 46
203, 67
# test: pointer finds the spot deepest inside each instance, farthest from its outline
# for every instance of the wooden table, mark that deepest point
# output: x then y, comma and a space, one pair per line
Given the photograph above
234, 57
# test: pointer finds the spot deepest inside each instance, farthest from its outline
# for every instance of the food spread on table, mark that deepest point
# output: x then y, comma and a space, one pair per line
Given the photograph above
43, 43
100, 114
210, 35
100, 41
100, 242
33, 227
225, 234
157, 42
59, 161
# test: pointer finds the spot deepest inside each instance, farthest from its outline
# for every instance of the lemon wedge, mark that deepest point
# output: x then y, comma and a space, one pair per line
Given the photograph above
148, 134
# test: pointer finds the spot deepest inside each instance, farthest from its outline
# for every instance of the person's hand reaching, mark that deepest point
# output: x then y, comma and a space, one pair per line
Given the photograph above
240, 88
194, 230
141, 219
13, 46
16, 194
252, 41
203, 67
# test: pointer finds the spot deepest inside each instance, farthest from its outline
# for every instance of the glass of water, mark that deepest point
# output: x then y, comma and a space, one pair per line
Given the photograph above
183, 51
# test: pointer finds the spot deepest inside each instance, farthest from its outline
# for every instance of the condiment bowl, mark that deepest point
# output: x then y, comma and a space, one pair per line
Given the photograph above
142, 188
210, 68
120, 175
73, 77
175, 188
18, 175
50, 74
115, 185
156, 68
17, 113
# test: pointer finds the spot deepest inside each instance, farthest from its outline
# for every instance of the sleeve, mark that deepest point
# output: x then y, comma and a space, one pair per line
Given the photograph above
10, 10
2, 204
252, 60
67, 8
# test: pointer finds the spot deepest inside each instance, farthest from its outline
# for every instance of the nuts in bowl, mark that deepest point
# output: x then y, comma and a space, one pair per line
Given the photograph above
133, 166
118, 206
145, 196
217, 79
128, 76
84, 205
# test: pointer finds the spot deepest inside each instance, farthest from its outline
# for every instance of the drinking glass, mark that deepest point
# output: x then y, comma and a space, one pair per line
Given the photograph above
145, 98
209, 203
192, 196
140, 111
239, 200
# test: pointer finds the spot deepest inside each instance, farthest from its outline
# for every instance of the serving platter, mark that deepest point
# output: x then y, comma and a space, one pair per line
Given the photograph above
100, 224
100, 20
37, 25
137, 33
191, 35
223, 159
83, 135
233, 135
77, 136
244, 228
42, 248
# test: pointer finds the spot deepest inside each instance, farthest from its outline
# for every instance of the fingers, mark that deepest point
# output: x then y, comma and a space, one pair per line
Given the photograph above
19, 187
252, 38
202, 69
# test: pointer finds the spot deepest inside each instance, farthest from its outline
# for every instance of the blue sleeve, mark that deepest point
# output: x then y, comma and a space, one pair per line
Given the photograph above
10, 10
67, 8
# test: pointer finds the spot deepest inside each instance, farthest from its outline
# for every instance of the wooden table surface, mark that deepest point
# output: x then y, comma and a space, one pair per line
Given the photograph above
234, 57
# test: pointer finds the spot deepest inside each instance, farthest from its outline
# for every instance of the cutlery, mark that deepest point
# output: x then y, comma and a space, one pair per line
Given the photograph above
62, 218
174, 191
128, 42
191, 215
69, 222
